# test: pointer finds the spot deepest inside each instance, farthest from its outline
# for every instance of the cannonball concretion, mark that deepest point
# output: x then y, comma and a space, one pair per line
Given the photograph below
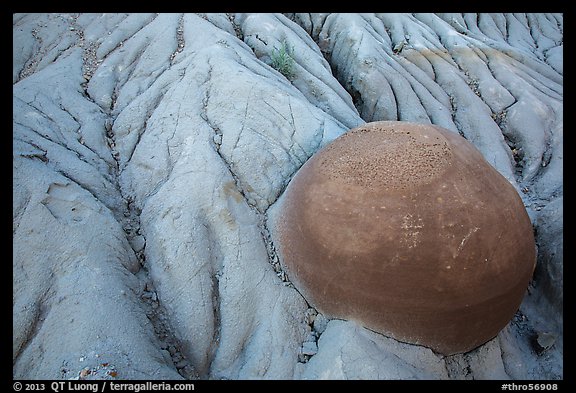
408, 230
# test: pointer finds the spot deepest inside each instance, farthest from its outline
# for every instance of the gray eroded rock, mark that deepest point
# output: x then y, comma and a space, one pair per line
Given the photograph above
150, 153
348, 351
75, 292
461, 80
265, 33
549, 272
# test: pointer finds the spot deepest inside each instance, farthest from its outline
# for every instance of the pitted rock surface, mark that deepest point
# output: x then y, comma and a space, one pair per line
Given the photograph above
391, 157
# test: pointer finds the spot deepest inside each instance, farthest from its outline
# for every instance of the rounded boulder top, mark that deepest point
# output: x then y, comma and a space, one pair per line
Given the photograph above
406, 229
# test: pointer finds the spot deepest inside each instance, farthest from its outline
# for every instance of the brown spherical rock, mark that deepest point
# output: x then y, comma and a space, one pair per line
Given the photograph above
406, 229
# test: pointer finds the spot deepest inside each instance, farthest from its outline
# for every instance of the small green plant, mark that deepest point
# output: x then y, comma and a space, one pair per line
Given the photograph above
282, 60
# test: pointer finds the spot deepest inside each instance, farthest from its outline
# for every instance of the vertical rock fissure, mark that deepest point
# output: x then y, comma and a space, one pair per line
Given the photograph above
217, 141
453, 109
309, 346
216, 274
179, 39
30, 66
154, 309
273, 258
237, 29
128, 216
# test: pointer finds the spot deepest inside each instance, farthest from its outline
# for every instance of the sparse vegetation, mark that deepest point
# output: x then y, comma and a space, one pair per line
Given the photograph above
282, 60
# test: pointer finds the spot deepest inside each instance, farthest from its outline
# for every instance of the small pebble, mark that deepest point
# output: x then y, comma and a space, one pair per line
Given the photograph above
546, 340
166, 356
85, 372
188, 370
309, 348
310, 315
137, 243
320, 323
181, 364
